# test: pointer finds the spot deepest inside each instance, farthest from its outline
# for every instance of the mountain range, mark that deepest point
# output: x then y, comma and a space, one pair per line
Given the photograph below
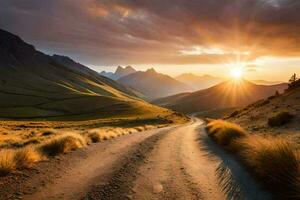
150, 84
120, 72
153, 84
199, 82
264, 82
36, 85
227, 94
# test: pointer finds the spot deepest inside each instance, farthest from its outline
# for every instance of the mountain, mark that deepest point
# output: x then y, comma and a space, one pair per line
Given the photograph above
36, 85
199, 82
153, 84
224, 95
120, 72
263, 82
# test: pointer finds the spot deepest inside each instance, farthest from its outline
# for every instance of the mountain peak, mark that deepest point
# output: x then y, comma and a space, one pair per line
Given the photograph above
129, 68
124, 71
151, 70
14, 44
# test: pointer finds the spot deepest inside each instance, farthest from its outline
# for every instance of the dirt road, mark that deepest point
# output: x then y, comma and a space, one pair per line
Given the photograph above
177, 162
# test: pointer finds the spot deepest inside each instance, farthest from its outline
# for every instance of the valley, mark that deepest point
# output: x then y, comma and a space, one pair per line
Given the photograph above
158, 100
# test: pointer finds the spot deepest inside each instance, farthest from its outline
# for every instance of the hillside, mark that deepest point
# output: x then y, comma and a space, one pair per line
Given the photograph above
264, 82
229, 94
35, 85
199, 82
120, 72
153, 84
255, 117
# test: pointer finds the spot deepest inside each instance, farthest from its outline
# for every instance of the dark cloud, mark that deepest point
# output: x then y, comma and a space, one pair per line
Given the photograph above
109, 32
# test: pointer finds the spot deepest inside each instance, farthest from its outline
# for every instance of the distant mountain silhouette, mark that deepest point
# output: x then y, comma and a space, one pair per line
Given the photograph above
153, 84
224, 95
120, 72
35, 85
264, 82
199, 82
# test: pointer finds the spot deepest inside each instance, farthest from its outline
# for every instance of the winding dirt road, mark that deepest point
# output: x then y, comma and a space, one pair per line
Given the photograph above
177, 162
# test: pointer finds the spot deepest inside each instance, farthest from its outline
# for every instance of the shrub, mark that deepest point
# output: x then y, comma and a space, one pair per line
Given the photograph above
273, 161
223, 132
31, 141
7, 162
140, 128
234, 114
280, 119
94, 137
24, 158
63, 144
48, 132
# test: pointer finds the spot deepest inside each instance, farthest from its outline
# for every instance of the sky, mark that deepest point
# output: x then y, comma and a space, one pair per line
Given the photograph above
174, 36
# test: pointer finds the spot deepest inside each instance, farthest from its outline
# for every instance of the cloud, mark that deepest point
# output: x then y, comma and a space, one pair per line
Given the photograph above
111, 32
251, 68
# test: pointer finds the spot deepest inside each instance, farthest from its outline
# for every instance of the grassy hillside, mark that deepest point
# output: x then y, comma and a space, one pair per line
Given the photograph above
276, 115
37, 86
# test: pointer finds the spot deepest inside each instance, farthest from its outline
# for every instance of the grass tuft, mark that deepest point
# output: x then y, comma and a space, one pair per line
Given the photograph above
224, 133
48, 132
280, 119
63, 144
25, 158
274, 162
94, 137
7, 162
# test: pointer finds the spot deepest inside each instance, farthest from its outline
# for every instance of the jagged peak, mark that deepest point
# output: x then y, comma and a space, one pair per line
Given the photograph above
151, 70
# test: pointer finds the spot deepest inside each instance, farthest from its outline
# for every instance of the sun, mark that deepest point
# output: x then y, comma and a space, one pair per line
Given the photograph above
236, 72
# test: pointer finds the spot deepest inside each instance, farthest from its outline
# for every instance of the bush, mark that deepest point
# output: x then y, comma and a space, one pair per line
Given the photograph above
280, 119
24, 158
273, 161
7, 162
223, 132
234, 114
63, 144
48, 132
95, 137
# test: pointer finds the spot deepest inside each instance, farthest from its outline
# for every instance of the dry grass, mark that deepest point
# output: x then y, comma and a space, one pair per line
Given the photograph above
94, 137
26, 157
48, 132
25, 147
224, 133
10, 159
98, 135
273, 161
63, 144
280, 119
7, 162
